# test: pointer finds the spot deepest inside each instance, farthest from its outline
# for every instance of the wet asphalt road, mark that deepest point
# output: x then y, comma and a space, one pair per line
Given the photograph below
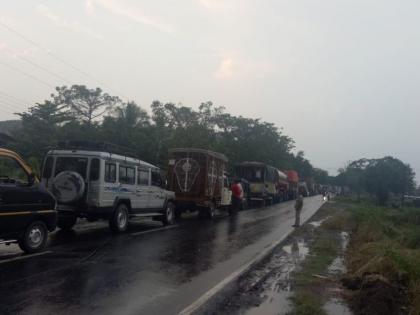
144, 271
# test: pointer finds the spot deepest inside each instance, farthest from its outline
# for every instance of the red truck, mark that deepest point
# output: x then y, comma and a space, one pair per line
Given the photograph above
293, 180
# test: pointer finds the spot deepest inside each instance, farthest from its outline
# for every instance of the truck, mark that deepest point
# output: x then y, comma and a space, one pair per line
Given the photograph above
198, 178
282, 187
263, 181
293, 180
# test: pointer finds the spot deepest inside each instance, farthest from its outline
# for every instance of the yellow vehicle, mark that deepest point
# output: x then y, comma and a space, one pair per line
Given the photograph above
27, 210
263, 181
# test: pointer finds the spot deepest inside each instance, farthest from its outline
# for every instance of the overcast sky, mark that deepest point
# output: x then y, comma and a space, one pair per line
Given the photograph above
340, 76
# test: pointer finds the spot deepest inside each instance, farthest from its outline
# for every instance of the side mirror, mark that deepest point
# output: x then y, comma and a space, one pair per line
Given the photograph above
31, 179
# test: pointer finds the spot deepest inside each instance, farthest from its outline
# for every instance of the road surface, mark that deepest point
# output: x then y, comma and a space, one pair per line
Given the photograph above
148, 270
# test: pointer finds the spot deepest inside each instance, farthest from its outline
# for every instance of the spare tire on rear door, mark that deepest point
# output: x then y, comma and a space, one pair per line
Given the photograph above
68, 187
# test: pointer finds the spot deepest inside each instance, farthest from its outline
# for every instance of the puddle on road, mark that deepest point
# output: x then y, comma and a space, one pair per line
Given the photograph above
317, 224
336, 306
278, 287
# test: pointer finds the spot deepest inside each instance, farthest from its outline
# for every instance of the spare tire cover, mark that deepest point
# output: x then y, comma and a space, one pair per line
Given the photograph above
68, 187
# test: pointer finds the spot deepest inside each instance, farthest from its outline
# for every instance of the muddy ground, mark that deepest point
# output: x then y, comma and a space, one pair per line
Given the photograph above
269, 287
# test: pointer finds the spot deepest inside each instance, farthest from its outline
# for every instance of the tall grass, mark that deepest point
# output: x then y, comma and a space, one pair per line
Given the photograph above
387, 241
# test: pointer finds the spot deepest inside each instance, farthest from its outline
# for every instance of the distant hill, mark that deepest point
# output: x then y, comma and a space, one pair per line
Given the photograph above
8, 126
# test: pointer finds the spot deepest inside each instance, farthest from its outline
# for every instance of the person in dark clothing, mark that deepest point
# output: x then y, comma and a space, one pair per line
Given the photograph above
298, 209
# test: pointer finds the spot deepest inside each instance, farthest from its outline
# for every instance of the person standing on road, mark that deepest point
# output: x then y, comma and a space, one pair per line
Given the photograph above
237, 194
298, 209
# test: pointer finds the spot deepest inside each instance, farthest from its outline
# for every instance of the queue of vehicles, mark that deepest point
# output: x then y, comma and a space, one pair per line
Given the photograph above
95, 181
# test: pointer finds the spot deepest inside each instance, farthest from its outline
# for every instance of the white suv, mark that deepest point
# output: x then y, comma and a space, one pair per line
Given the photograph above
102, 185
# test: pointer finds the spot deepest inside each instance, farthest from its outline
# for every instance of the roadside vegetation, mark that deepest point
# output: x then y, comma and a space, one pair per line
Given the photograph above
382, 260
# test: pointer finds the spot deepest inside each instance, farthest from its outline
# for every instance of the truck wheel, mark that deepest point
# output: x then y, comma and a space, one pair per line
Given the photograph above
119, 220
35, 238
66, 223
169, 214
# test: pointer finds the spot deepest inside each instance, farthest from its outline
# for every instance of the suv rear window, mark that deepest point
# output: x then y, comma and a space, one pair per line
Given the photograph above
73, 164
47, 171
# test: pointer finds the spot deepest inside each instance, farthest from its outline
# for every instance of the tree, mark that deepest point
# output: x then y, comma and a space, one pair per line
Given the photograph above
320, 176
302, 165
41, 126
379, 177
85, 104
388, 175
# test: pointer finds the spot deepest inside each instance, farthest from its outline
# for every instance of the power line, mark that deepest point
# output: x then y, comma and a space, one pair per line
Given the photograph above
27, 74
32, 42
13, 97
12, 102
43, 68
7, 108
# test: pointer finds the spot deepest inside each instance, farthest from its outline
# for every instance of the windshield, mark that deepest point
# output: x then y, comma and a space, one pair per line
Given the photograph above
73, 164
252, 174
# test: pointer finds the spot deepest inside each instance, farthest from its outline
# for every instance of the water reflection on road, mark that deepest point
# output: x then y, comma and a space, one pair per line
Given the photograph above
93, 271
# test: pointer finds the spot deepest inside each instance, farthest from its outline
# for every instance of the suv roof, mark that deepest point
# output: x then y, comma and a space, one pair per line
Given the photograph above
101, 154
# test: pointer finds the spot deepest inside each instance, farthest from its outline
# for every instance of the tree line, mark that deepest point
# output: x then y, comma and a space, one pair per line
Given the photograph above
80, 113
380, 178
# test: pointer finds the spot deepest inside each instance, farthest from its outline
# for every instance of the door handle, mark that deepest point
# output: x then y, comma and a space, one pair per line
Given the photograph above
139, 190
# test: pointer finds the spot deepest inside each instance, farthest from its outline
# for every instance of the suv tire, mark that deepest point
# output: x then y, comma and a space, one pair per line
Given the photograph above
35, 237
66, 223
169, 214
119, 220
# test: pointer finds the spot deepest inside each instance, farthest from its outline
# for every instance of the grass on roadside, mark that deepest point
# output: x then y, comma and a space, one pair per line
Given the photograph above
324, 248
386, 241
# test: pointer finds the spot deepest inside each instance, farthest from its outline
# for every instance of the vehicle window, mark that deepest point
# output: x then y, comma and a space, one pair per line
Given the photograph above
143, 177
127, 175
47, 171
73, 164
131, 175
110, 173
11, 172
94, 169
156, 178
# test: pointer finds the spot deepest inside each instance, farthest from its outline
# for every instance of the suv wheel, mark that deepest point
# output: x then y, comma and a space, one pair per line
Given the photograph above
119, 220
35, 237
169, 214
66, 223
